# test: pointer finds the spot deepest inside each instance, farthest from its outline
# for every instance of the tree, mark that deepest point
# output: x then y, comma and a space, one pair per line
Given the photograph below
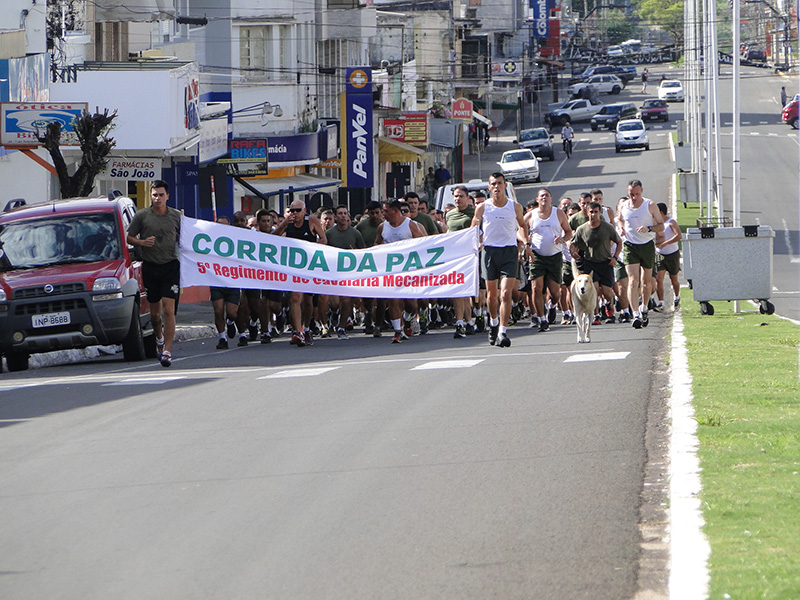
91, 130
663, 14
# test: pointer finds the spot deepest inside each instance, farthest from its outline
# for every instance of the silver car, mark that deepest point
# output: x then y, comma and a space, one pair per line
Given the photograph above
520, 165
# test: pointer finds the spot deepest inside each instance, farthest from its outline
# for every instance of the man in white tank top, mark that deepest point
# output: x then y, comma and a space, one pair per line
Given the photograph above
639, 220
549, 231
668, 258
504, 233
396, 227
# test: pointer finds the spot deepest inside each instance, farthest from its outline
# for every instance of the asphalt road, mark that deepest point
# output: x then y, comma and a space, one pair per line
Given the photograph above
438, 468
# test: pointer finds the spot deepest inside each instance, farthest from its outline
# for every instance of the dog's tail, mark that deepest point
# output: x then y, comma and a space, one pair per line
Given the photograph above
575, 272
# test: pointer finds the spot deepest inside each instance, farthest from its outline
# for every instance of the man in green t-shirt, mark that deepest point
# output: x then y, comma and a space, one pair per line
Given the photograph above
341, 235
368, 228
582, 217
459, 218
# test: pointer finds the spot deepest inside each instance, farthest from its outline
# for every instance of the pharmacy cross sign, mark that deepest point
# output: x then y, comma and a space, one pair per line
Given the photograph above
358, 79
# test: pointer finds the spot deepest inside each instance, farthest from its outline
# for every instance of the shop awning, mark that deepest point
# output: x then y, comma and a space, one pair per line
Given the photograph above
482, 119
298, 183
495, 105
390, 150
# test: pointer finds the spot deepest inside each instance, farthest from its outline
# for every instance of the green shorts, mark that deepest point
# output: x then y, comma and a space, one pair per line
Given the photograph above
500, 262
230, 295
643, 255
671, 263
566, 273
619, 272
548, 267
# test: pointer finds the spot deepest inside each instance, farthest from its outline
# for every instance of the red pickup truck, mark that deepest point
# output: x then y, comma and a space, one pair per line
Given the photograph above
69, 280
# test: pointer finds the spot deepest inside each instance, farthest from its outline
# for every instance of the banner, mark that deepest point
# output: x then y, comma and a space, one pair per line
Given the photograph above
541, 15
439, 266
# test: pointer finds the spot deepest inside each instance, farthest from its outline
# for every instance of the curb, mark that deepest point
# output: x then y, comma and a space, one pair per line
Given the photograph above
183, 333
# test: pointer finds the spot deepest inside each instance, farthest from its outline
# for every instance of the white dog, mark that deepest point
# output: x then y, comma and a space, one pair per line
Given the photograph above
584, 300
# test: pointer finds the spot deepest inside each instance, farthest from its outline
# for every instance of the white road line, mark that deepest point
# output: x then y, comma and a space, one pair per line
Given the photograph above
145, 380
309, 372
597, 356
447, 364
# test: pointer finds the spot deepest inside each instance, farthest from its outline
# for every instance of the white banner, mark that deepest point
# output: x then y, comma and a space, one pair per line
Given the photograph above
439, 266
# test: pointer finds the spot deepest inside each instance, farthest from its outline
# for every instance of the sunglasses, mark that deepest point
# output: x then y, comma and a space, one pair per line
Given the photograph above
405, 210
295, 210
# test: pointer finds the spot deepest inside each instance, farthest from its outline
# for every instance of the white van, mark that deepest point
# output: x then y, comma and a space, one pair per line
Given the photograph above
444, 194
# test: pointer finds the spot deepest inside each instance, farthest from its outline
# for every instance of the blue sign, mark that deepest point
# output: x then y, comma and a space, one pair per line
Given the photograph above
300, 148
541, 15
359, 146
358, 80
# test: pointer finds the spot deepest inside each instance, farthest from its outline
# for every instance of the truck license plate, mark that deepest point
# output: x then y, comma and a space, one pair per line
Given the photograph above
52, 319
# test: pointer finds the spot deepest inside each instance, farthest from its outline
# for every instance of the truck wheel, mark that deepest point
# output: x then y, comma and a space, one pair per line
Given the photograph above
133, 344
17, 361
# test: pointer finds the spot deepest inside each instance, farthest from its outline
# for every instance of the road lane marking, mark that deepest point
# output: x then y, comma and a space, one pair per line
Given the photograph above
448, 364
310, 372
146, 380
597, 356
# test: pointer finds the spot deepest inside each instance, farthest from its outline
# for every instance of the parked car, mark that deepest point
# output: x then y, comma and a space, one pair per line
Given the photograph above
789, 114
445, 193
654, 110
631, 134
611, 114
604, 84
573, 111
68, 279
520, 165
755, 53
615, 52
539, 141
670, 90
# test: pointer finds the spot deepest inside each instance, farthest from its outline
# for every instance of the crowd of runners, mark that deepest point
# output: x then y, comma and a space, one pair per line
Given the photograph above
526, 261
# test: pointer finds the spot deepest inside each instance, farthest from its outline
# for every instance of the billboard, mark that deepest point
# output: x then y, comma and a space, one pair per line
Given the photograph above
541, 14
357, 148
21, 123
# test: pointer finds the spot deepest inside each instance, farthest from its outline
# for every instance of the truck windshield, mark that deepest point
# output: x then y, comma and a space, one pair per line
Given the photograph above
52, 241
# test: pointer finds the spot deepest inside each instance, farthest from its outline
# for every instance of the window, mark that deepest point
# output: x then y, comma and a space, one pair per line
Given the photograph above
264, 50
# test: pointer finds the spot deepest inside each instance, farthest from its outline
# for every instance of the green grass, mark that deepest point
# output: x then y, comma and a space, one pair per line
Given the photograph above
747, 404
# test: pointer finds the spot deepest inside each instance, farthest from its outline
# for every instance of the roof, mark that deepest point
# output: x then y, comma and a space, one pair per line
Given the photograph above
61, 207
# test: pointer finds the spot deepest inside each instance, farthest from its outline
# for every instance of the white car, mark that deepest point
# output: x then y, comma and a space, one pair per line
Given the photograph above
520, 165
631, 133
670, 90
604, 84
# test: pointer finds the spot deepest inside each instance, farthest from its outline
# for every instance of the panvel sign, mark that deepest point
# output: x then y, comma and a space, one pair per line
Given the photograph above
357, 148
541, 16
438, 266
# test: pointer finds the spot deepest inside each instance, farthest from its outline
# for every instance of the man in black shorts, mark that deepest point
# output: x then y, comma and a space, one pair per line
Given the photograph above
591, 246
156, 230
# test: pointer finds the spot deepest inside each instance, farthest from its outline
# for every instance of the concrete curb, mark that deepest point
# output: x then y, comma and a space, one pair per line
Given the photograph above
183, 333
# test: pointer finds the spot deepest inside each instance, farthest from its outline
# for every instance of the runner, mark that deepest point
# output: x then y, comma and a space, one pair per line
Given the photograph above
346, 237
668, 258
457, 219
504, 232
395, 228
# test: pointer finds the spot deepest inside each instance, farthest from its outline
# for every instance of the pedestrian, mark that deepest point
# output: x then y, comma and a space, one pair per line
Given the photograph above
504, 232
783, 96
156, 230
639, 220
645, 78
429, 183
442, 176
457, 219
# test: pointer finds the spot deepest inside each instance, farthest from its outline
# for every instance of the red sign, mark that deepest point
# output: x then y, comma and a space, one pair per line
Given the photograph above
552, 47
462, 109
411, 129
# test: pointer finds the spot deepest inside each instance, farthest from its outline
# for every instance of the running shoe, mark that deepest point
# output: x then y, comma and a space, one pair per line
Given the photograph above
349, 326
222, 344
596, 320
341, 334
298, 339
504, 342
415, 326
266, 338
253, 331
493, 330
637, 322
376, 332
645, 319
677, 302
609, 311
543, 325
624, 317
368, 329
159, 348
480, 324
166, 358
469, 329
534, 322
308, 338
325, 332
460, 332
397, 337
407, 329
242, 341
551, 315
231, 330
565, 320
659, 306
